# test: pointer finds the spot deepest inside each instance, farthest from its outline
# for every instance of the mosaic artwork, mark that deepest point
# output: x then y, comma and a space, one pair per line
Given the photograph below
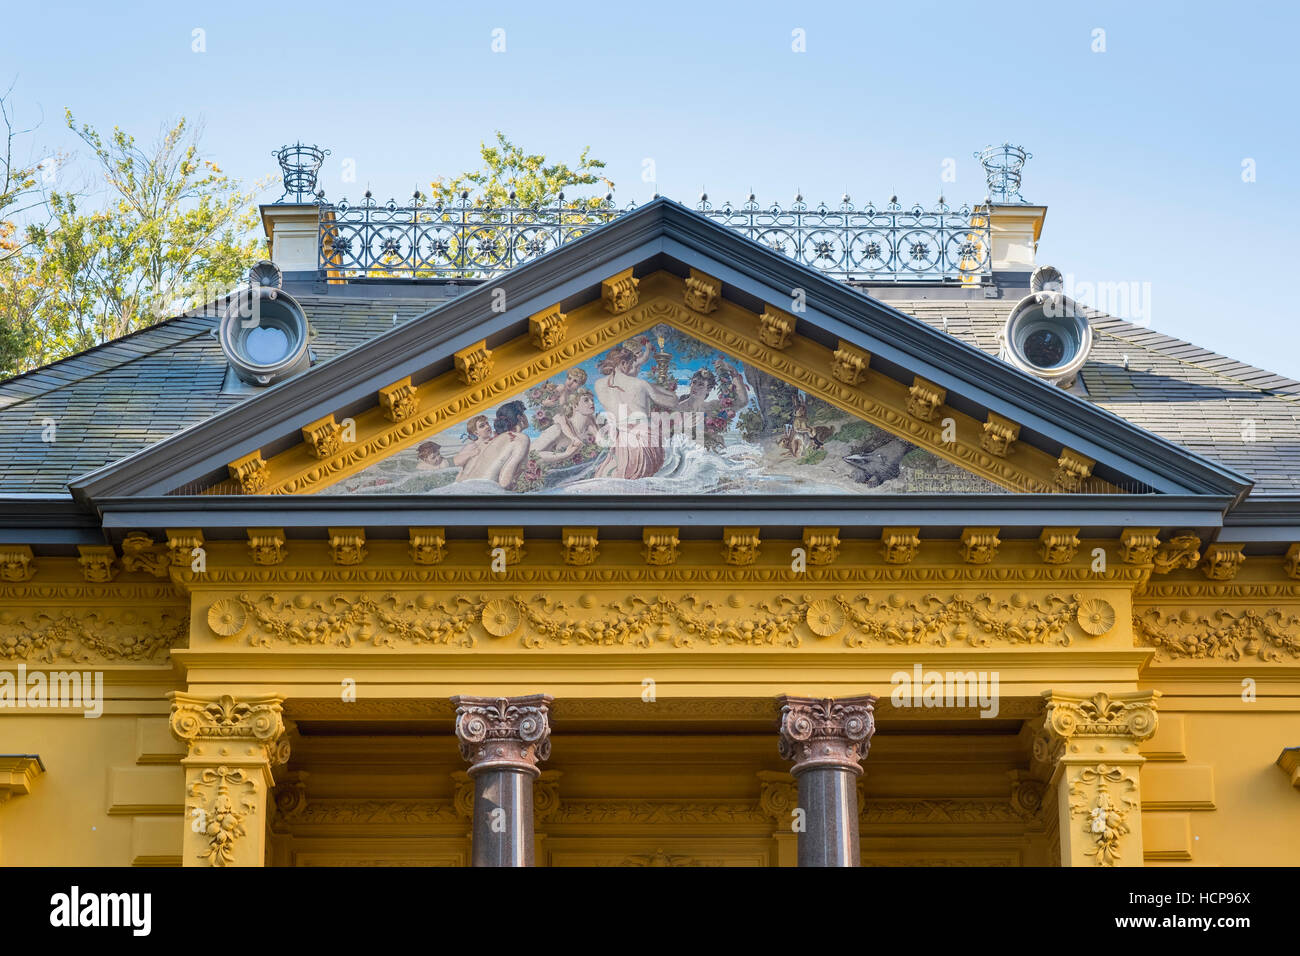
664, 413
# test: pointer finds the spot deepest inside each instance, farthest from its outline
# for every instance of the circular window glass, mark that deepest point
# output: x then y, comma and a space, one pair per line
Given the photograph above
1044, 348
266, 345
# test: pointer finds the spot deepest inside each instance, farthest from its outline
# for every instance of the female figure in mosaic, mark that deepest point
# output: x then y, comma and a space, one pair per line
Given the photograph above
572, 428
629, 402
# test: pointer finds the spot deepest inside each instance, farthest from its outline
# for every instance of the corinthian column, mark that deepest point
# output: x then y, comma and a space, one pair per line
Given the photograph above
826, 739
1089, 745
233, 744
503, 738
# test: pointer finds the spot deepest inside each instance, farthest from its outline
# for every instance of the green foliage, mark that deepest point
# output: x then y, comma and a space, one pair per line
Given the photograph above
856, 429
750, 423
173, 234
507, 167
813, 457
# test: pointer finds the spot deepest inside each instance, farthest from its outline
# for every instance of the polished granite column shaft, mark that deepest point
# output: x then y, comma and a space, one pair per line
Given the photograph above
827, 739
503, 738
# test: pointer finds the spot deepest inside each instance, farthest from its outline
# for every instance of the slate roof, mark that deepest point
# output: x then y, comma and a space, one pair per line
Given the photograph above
118, 398
1196, 398
113, 400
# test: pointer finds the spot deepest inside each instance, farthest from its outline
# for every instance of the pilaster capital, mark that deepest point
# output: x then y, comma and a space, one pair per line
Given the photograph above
503, 733
231, 730
1131, 716
826, 733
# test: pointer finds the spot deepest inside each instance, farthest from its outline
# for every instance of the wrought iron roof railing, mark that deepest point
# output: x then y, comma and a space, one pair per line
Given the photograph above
889, 243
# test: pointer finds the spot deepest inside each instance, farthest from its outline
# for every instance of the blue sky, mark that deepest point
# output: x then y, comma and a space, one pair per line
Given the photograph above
1138, 150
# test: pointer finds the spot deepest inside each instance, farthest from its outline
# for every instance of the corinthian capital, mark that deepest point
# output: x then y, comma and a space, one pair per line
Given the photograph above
503, 733
826, 733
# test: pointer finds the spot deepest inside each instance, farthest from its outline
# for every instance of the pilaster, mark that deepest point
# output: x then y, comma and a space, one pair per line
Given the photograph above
233, 744
1089, 745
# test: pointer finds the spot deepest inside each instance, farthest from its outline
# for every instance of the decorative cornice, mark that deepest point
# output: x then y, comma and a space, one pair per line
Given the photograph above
428, 545
579, 546
899, 545
702, 292
660, 546
924, 399
822, 545
849, 363
1058, 545
1222, 561
548, 328
740, 546
347, 545
464, 565
619, 292
324, 436
979, 545
503, 733
826, 734
98, 563
1073, 469
399, 401
141, 553
17, 563
251, 472
266, 546
473, 363
999, 435
775, 327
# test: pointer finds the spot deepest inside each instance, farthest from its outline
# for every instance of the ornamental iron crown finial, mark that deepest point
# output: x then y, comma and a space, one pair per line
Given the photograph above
1002, 165
300, 167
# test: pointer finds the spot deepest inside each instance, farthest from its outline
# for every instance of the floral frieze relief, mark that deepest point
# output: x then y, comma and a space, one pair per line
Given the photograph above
693, 620
1266, 634
91, 634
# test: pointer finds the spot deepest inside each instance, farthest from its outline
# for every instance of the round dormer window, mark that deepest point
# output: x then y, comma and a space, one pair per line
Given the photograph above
264, 334
1047, 334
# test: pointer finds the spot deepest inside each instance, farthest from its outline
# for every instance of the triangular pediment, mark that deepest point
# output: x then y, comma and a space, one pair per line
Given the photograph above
664, 412
802, 386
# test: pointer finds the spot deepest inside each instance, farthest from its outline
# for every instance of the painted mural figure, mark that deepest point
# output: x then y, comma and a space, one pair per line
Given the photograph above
500, 458
637, 451
679, 418
572, 428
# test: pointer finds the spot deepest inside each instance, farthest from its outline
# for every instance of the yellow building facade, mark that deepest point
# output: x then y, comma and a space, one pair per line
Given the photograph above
1085, 652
